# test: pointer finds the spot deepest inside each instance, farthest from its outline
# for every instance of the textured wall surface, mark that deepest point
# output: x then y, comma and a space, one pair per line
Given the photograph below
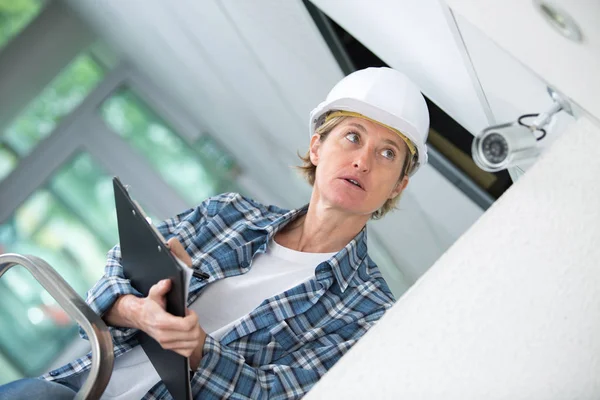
511, 311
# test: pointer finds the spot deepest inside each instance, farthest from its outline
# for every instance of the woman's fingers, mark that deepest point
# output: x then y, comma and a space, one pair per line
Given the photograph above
159, 290
181, 346
169, 330
169, 336
191, 318
181, 343
180, 334
178, 251
186, 340
184, 352
169, 322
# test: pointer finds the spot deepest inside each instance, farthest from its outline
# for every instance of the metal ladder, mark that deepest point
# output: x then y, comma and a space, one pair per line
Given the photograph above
75, 306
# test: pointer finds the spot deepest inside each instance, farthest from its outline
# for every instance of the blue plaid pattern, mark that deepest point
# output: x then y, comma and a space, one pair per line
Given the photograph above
282, 348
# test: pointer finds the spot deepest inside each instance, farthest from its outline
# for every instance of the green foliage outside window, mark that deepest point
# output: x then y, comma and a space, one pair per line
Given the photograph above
197, 171
70, 221
87, 191
8, 161
56, 101
34, 328
15, 15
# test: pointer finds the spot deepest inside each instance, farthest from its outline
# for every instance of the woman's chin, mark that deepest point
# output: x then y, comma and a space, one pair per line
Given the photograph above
350, 206
350, 201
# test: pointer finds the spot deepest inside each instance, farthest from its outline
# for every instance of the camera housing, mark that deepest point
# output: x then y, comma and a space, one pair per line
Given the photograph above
503, 146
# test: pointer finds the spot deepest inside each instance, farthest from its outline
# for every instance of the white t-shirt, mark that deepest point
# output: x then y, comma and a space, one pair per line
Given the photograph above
219, 307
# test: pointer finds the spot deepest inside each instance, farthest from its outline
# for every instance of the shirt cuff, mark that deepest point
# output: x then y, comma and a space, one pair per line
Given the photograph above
102, 297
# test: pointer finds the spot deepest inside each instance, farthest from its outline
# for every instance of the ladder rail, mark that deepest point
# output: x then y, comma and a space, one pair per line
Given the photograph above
97, 331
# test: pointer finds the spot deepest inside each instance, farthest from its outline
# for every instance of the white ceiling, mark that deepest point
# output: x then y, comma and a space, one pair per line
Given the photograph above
418, 38
250, 72
517, 27
456, 63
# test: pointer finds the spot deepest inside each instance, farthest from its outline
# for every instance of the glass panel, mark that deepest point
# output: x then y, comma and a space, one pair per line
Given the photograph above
222, 163
9, 373
8, 161
88, 192
196, 171
71, 224
47, 228
34, 328
15, 15
61, 97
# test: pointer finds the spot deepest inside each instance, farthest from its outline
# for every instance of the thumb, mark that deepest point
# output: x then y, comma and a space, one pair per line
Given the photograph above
160, 289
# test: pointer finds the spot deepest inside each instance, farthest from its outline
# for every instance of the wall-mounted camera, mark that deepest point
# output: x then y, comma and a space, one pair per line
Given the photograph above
503, 146
507, 145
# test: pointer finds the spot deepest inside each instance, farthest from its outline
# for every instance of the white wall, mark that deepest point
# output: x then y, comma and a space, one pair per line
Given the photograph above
511, 311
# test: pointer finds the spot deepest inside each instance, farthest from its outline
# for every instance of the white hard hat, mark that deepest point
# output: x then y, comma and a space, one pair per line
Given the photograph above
385, 96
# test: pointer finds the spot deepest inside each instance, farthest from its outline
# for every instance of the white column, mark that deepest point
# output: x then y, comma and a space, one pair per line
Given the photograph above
511, 311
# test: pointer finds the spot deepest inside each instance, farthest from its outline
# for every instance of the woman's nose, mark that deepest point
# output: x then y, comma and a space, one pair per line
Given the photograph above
362, 162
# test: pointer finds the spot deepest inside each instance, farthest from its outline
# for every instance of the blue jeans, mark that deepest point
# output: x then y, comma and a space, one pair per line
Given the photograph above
34, 388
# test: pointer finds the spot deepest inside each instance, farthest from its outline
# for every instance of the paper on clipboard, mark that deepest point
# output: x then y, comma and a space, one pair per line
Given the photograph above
188, 276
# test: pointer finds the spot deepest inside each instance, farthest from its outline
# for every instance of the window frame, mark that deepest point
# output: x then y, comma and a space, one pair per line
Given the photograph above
28, 64
83, 130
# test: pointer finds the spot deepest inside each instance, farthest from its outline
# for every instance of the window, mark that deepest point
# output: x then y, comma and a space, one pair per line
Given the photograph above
68, 219
88, 191
15, 15
71, 224
8, 161
196, 171
61, 97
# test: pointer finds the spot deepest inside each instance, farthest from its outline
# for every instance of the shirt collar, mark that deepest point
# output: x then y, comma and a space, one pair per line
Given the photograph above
346, 262
343, 264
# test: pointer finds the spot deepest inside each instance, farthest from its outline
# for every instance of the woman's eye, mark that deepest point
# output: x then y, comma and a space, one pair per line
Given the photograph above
389, 154
353, 137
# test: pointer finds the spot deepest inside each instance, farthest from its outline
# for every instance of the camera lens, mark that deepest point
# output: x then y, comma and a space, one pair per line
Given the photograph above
494, 148
503, 146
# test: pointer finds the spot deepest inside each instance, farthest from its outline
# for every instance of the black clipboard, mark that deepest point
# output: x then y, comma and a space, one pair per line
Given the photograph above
146, 260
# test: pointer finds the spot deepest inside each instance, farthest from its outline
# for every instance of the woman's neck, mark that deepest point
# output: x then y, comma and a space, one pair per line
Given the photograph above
320, 231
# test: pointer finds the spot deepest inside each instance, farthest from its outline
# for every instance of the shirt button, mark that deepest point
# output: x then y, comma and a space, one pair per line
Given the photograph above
245, 264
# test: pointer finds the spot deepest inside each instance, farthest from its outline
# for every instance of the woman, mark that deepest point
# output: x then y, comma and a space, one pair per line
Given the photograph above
300, 287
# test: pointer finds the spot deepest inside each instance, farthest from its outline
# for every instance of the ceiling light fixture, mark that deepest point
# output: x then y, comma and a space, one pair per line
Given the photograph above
560, 20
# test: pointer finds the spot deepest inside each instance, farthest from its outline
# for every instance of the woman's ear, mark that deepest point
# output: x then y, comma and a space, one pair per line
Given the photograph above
400, 186
315, 143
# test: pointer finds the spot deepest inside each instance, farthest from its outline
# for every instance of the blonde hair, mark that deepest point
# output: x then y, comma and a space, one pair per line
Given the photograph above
308, 170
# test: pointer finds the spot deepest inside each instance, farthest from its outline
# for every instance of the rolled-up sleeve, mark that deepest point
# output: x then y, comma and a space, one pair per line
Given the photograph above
107, 290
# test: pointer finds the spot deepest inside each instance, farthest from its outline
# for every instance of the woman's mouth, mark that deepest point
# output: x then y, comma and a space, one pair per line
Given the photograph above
353, 182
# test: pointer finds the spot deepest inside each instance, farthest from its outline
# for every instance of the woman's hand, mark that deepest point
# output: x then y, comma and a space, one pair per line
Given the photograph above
183, 335
178, 251
180, 334
196, 355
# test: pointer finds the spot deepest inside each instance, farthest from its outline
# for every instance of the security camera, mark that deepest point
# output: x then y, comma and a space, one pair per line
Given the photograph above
503, 146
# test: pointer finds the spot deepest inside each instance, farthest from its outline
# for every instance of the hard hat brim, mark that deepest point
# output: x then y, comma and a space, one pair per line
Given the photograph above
374, 113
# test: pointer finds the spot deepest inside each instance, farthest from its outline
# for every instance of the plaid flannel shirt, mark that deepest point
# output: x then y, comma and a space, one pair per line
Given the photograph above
281, 348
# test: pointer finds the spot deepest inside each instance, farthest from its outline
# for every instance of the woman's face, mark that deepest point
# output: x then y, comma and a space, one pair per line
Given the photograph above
358, 166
